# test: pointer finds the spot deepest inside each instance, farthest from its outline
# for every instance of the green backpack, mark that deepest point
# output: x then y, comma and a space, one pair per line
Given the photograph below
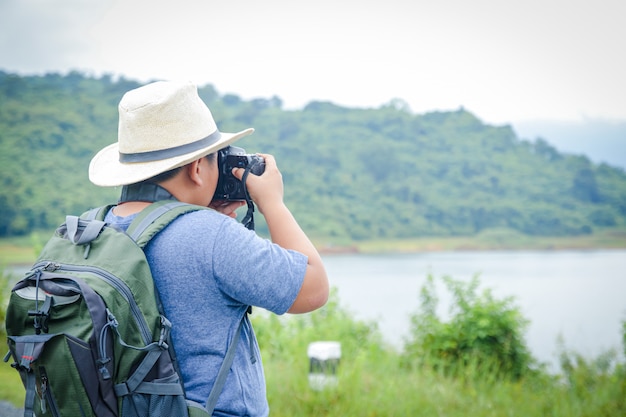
85, 327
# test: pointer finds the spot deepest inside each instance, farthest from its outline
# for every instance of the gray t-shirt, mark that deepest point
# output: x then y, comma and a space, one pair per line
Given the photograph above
207, 269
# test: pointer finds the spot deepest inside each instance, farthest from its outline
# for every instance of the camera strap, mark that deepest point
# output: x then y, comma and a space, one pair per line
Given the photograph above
248, 220
152, 192
144, 191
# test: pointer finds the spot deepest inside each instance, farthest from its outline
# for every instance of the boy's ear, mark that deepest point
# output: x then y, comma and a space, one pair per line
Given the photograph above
193, 170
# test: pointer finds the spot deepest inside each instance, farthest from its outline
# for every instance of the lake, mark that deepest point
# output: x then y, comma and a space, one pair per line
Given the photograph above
578, 295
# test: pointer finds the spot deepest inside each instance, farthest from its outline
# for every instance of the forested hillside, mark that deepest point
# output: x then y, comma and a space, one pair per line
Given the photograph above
350, 174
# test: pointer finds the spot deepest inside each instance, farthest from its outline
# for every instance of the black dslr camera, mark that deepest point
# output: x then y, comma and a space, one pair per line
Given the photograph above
230, 188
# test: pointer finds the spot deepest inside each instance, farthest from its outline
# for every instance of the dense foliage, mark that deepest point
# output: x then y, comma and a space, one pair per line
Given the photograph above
350, 174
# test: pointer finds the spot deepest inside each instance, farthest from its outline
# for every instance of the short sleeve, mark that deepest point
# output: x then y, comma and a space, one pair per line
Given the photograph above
255, 271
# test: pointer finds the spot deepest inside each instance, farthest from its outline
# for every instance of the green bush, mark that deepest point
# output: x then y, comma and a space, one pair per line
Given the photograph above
282, 337
482, 334
599, 382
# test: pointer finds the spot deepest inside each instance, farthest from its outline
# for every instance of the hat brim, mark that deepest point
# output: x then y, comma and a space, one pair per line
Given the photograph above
106, 170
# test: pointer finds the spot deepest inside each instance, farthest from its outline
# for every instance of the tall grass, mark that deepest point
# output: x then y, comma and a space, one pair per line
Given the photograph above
11, 388
10, 383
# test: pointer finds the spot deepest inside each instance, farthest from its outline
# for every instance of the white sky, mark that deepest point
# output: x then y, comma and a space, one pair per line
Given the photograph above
503, 61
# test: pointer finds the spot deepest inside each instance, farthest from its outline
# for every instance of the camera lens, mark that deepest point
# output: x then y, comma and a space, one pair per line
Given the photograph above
230, 186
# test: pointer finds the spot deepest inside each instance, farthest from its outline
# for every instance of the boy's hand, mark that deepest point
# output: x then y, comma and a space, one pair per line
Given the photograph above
227, 207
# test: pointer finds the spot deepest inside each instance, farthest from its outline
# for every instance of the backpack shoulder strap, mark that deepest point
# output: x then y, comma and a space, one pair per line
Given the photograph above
155, 217
144, 227
218, 385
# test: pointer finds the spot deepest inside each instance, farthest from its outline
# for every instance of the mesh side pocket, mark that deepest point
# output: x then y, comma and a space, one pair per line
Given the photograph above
149, 400
153, 405
197, 410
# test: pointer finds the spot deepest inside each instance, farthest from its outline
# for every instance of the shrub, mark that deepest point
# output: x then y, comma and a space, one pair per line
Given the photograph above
483, 333
599, 382
291, 334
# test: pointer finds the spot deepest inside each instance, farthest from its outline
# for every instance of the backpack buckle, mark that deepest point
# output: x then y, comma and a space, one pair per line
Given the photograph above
41, 316
104, 372
166, 326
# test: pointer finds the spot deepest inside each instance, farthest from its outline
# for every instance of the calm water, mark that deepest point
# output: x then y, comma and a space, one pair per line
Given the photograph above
579, 295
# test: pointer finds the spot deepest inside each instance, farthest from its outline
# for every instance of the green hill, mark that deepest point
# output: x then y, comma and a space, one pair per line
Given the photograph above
350, 174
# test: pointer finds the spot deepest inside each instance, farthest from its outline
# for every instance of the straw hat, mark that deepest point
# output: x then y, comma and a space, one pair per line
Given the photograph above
162, 125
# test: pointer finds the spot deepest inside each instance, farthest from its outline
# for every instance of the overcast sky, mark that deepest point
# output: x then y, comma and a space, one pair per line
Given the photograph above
503, 61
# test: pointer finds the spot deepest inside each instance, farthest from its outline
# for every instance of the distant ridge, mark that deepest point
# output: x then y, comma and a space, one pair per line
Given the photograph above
600, 140
350, 174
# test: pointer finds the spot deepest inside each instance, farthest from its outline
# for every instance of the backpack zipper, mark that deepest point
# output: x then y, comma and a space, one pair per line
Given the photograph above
112, 280
46, 399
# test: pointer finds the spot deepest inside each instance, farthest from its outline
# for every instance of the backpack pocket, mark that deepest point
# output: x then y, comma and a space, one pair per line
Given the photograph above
50, 388
55, 346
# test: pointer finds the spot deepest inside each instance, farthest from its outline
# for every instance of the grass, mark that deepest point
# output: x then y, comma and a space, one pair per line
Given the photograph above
22, 250
15, 255
11, 388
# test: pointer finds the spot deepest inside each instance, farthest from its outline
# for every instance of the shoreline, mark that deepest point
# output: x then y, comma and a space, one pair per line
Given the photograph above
19, 252
356, 251
488, 241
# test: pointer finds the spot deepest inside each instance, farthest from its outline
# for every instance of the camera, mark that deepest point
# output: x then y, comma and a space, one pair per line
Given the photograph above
230, 188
